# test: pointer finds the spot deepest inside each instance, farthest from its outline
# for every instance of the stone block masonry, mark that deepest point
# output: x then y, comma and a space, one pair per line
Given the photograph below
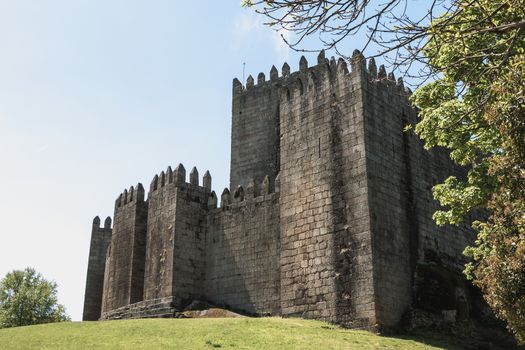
100, 241
328, 214
255, 132
125, 259
176, 236
326, 255
242, 253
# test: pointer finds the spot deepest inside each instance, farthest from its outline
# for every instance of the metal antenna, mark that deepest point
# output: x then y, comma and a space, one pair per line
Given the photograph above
243, 69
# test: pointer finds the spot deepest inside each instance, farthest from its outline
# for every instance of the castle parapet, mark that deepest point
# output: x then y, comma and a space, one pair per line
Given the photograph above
133, 195
101, 230
252, 193
311, 79
380, 76
177, 178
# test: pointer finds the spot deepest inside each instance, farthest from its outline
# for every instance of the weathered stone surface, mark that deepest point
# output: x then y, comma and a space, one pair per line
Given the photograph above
401, 174
328, 214
100, 241
175, 241
125, 261
242, 256
255, 134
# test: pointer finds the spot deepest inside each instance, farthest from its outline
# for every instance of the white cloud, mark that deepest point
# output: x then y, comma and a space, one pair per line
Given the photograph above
281, 48
248, 26
249, 29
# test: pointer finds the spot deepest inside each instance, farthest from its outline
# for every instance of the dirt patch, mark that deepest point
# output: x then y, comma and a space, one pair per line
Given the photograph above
210, 313
203, 309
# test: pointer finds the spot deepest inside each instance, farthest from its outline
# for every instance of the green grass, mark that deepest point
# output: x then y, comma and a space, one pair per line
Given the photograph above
225, 333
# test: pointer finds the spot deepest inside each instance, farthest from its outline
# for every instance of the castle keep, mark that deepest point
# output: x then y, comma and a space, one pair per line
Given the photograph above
328, 215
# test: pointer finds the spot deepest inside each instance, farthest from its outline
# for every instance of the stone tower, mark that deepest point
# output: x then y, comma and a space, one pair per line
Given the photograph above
100, 241
124, 274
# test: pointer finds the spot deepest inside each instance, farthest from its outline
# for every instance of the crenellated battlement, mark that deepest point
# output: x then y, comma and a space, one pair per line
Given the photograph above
288, 78
254, 193
131, 196
380, 75
308, 81
96, 223
177, 178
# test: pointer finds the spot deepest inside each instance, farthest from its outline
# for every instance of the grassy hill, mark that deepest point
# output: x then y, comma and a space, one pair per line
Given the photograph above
206, 333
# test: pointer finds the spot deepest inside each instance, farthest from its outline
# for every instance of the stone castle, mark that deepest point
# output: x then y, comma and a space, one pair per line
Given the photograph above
328, 215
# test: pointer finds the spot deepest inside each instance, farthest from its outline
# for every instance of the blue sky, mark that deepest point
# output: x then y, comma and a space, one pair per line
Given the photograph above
96, 96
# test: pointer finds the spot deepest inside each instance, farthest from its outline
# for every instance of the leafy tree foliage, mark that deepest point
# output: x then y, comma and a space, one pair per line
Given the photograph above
26, 298
499, 254
476, 108
474, 105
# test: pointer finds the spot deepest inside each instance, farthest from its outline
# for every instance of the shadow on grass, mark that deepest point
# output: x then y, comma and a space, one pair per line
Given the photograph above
451, 342
437, 340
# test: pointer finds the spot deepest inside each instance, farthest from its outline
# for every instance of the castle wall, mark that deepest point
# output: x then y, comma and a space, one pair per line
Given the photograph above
255, 132
393, 220
100, 241
242, 255
158, 274
108, 282
175, 236
190, 239
439, 282
125, 264
401, 175
326, 257
438, 244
